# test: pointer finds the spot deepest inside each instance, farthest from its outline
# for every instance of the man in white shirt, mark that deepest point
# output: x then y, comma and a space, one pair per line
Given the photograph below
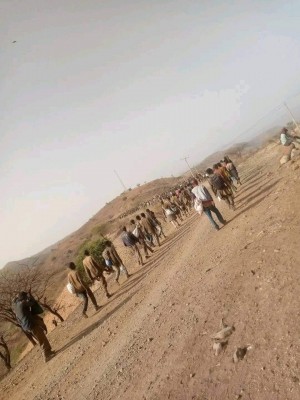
202, 194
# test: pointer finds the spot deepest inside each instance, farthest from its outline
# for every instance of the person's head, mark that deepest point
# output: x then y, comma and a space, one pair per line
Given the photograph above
215, 166
124, 229
143, 215
138, 218
72, 265
22, 296
284, 130
194, 182
219, 164
227, 159
209, 171
132, 222
147, 210
108, 244
86, 252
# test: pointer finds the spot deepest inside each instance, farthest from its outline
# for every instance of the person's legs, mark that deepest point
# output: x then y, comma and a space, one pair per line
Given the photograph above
138, 254
226, 199
145, 248
102, 279
156, 237
117, 271
90, 294
174, 223
39, 334
231, 201
218, 214
84, 297
207, 212
124, 269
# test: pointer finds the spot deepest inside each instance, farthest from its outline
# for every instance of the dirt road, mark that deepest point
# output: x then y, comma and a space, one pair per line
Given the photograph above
152, 339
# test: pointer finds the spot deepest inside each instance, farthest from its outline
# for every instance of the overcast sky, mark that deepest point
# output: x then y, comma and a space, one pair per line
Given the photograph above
92, 86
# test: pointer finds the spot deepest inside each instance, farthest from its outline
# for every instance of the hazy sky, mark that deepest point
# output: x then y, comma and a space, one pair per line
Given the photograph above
93, 86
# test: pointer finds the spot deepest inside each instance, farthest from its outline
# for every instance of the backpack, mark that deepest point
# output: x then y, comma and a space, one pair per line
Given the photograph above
217, 182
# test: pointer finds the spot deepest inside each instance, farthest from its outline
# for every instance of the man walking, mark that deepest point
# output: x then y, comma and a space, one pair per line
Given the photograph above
151, 215
129, 240
203, 195
95, 271
23, 307
149, 227
220, 187
112, 257
138, 232
81, 289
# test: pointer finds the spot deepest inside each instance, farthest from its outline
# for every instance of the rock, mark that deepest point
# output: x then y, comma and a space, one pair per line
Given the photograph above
239, 354
150, 339
284, 159
223, 333
219, 346
192, 375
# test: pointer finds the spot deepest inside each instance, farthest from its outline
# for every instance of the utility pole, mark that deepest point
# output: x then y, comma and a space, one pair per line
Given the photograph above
120, 180
290, 112
187, 163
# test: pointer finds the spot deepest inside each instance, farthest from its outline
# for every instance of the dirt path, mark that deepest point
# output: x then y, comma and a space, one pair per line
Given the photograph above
152, 339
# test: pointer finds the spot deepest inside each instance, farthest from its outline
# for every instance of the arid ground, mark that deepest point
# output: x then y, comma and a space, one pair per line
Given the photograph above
152, 339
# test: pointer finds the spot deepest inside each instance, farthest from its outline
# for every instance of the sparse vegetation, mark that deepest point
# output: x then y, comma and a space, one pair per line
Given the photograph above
101, 230
28, 279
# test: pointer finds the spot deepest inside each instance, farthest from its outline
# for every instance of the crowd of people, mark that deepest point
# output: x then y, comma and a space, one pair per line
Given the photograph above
141, 236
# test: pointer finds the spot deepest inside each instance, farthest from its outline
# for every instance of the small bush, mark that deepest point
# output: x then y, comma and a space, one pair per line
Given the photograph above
101, 230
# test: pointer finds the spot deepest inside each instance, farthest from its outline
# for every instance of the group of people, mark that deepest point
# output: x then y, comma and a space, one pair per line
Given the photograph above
144, 233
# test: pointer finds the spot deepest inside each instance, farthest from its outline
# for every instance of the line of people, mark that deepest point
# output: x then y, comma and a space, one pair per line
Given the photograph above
144, 234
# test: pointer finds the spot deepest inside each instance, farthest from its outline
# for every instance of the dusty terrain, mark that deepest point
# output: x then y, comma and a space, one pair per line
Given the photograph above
151, 340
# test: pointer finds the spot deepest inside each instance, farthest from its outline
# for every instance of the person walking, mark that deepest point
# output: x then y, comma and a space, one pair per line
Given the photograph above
149, 228
112, 258
202, 194
231, 168
81, 289
156, 222
220, 187
139, 233
169, 212
95, 271
129, 240
26, 309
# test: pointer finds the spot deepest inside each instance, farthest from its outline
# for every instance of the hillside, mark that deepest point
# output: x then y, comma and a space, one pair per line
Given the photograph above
152, 339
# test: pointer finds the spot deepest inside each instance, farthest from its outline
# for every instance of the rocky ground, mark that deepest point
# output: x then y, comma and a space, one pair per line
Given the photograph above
152, 339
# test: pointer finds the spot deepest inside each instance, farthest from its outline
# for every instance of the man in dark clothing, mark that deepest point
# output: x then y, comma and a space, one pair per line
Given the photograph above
151, 215
220, 187
149, 228
129, 240
23, 306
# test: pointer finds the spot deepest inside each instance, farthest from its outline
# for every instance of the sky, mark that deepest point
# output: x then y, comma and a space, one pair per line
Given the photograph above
91, 87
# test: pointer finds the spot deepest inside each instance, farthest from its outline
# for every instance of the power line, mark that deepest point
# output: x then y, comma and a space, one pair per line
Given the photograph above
187, 163
120, 180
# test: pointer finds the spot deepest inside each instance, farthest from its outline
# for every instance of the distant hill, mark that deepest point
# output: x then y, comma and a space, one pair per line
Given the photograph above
107, 220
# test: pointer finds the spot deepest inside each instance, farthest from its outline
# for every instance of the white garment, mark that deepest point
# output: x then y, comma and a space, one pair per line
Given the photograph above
198, 206
201, 193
